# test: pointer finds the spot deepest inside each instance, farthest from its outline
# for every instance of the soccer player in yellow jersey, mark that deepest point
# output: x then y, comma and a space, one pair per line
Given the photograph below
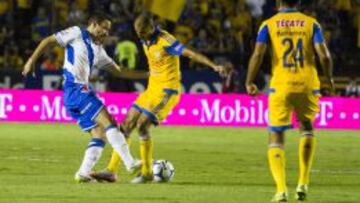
294, 87
161, 96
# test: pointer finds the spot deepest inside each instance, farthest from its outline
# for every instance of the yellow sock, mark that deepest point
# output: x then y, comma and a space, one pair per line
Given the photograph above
114, 163
146, 152
276, 158
306, 156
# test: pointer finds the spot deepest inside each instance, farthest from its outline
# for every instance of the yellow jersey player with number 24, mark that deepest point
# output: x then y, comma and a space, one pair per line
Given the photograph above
294, 87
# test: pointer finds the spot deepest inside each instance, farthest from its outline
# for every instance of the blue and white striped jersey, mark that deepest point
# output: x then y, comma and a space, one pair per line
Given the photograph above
82, 55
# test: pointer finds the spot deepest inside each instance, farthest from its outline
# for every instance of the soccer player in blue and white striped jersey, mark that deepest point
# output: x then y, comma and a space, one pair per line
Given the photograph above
84, 52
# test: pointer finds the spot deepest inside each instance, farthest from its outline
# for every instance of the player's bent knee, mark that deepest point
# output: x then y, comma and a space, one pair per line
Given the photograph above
128, 124
97, 132
143, 130
306, 128
276, 145
142, 127
104, 119
145, 136
125, 129
276, 139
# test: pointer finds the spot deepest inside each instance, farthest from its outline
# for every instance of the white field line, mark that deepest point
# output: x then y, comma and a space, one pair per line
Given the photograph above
32, 159
344, 171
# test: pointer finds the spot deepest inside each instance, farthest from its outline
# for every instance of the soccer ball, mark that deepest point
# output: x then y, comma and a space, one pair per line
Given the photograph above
163, 171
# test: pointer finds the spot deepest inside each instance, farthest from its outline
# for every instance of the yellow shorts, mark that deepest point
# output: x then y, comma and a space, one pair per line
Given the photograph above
157, 103
282, 105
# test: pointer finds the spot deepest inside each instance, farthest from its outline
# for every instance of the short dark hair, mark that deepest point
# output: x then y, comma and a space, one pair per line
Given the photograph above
291, 2
144, 20
98, 17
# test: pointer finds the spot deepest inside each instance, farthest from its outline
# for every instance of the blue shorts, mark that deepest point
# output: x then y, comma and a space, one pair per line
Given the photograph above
82, 104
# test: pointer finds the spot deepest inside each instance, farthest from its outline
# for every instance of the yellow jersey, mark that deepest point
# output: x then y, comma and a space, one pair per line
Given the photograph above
162, 52
292, 36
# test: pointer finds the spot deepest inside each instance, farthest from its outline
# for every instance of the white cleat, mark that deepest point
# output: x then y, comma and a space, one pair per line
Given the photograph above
140, 179
301, 192
79, 178
280, 197
135, 167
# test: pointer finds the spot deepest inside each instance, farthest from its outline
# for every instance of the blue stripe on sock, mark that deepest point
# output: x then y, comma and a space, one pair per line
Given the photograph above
110, 127
96, 142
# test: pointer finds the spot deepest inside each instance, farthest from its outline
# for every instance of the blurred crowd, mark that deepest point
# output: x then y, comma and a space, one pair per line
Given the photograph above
222, 29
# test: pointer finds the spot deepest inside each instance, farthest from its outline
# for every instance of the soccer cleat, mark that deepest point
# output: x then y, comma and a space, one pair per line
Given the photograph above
104, 175
301, 191
280, 197
135, 168
84, 179
142, 179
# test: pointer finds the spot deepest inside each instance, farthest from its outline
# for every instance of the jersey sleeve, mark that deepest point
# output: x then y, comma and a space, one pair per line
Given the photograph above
174, 46
318, 36
263, 34
64, 37
104, 60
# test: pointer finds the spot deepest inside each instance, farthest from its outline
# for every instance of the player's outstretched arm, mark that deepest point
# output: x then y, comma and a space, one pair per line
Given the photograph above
37, 53
254, 66
200, 58
326, 63
118, 71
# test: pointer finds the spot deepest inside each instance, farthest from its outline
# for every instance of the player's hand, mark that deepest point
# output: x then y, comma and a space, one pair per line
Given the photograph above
222, 70
252, 89
28, 67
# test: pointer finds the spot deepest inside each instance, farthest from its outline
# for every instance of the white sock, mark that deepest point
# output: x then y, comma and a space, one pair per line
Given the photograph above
118, 142
92, 155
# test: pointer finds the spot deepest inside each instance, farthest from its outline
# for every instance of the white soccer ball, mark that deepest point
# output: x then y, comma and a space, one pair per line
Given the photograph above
163, 171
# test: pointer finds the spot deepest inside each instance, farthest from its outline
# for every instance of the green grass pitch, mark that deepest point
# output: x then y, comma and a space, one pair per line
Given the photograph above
224, 165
